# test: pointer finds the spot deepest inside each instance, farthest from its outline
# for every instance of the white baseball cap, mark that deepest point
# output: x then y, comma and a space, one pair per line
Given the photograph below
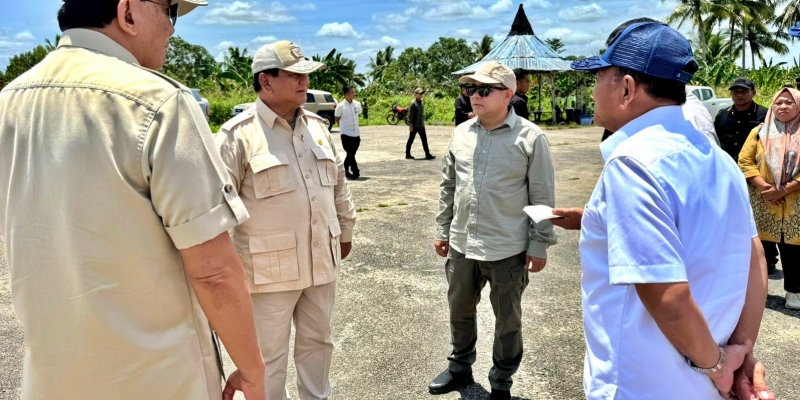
286, 56
493, 72
186, 6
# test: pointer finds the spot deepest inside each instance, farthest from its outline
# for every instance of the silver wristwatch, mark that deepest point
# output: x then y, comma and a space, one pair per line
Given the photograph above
712, 369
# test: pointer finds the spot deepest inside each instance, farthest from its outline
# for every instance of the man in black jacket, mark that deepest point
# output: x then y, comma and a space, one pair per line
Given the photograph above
416, 125
463, 106
520, 100
733, 125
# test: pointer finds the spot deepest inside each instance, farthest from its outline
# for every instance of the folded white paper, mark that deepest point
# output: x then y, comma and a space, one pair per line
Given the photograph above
540, 213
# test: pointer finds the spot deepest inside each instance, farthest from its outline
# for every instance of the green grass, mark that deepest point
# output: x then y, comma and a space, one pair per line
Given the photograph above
402, 204
362, 209
383, 205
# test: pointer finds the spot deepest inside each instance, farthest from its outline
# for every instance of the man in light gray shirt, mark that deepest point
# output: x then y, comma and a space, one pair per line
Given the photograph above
497, 164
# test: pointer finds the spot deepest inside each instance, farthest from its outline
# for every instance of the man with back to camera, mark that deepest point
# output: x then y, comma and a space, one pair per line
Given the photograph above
496, 164
671, 309
463, 106
520, 100
733, 125
116, 219
347, 117
416, 125
292, 181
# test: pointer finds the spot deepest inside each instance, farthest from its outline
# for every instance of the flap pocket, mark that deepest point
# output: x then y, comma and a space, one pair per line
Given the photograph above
262, 161
272, 174
274, 258
323, 154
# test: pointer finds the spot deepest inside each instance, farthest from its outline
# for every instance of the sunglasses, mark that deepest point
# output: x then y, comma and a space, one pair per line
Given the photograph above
170, 9
482, 90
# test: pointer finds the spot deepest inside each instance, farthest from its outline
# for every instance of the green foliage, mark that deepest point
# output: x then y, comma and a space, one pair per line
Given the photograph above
340, 71
223, 101
482, 47
21, 63
556, 44
188, 63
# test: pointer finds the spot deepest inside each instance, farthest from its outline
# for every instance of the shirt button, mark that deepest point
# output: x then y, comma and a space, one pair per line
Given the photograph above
300, 155
228, 188
308, 176
314, 222
316, 244
484, 152
313, 198
480, 172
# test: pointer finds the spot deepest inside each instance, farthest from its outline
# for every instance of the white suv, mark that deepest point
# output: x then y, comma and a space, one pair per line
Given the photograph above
317, 101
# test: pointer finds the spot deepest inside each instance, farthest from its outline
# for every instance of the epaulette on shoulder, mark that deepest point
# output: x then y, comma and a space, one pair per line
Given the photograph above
242, 117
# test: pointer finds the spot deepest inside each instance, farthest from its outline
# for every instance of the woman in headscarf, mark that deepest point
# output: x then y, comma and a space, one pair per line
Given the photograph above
770, 162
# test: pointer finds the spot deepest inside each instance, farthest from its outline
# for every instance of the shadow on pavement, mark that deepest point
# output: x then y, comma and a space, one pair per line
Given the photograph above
776, 276
776, 303
477, 392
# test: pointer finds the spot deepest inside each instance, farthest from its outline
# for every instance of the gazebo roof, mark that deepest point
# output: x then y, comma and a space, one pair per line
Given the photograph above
522, 49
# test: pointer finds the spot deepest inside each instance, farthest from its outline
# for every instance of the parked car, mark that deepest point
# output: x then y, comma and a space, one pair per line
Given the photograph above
203, 102
317, 101
709, 99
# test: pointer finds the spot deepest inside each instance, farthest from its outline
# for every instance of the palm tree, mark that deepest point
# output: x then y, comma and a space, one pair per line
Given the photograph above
378, 65
556, 44
236, 67
692, 11
340, 71
790, 15
483, 47
758, 38
50, 46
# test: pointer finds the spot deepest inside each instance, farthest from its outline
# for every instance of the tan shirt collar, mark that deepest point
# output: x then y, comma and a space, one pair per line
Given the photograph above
269, 116
96, 41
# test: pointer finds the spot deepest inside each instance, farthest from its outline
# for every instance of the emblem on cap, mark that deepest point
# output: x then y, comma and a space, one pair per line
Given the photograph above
297, 53
319, 141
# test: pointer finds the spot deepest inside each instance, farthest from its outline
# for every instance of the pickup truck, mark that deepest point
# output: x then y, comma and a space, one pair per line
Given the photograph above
706, 96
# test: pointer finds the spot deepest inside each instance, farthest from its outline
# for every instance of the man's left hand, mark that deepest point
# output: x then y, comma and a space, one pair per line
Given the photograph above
346, 247
773, 195
534, 264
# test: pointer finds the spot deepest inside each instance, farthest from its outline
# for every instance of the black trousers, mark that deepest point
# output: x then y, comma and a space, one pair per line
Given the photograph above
790, 262
770, 252
422, 135
350, 145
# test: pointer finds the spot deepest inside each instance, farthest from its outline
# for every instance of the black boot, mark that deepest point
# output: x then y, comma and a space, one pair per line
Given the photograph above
500, 394
449, 381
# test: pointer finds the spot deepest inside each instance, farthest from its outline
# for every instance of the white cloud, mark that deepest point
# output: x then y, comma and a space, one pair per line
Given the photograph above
390, 41
464, 32
591, 12
262, 40
304, 7
655, 10
538, 21
539, 4
393, 21
455, 10
224, 45
569, 36
245, 13
25, 36
501, 6
335, 29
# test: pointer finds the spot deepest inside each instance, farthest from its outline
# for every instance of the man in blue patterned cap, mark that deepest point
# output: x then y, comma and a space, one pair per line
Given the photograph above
674, 281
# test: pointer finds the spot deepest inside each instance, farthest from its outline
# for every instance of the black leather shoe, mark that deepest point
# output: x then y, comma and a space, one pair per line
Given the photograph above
430, 157
771, 269
449, 381
409, 157
500, 394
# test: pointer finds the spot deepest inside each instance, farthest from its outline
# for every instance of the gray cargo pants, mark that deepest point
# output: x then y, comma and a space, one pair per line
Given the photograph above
507, 279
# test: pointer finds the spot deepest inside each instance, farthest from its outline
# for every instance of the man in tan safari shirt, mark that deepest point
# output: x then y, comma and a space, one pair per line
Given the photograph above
292, 182
115, 206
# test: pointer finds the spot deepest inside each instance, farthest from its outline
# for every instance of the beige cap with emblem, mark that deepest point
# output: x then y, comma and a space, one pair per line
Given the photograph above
186, 6
286, 56
493, 72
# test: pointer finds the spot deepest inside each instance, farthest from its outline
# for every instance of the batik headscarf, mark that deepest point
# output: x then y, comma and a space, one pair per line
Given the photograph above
781, 142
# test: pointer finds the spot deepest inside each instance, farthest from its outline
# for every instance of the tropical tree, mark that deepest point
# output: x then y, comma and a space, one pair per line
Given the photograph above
758, 38
235, 68
50, 46
556, 44
483, 47
447, 55
378, 65
188, 63
692, 11
790, 15
340, 71
21, 63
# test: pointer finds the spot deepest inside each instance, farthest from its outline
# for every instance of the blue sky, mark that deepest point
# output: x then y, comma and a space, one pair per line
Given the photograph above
359, 28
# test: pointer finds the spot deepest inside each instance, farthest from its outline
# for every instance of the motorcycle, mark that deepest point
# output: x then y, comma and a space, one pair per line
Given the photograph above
396, 115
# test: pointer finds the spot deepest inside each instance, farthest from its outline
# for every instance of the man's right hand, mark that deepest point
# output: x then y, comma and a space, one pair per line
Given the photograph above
749, 381
442, 247
411, 129
734, 358
253, 388
571, 218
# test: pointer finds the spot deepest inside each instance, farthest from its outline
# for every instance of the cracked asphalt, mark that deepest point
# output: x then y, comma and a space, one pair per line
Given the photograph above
390, 325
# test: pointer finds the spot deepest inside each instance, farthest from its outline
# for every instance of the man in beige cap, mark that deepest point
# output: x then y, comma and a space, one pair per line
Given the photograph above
292, 182
115, 208
496, 164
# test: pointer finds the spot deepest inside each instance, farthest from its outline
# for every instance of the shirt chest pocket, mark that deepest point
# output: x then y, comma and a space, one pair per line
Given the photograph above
507, 172
274, 258
272, 174
326, 165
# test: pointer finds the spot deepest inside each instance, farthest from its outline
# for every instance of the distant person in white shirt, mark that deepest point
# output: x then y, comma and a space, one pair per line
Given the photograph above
346, 114
674, 279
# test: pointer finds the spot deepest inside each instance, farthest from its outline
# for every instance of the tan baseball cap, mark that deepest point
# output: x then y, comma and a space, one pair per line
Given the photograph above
186, 6
493, 72
286, 56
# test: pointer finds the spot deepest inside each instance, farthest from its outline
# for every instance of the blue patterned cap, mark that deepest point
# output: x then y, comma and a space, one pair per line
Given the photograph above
794, 31
652, 48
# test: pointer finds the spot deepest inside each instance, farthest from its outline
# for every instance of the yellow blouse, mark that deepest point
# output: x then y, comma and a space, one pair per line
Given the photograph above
771, 221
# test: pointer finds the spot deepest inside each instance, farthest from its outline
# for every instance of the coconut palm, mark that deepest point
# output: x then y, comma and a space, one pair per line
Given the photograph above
483, 47
694, 12
734, 12
382, 60
758, 38
340, 71
790, 15
50, 46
